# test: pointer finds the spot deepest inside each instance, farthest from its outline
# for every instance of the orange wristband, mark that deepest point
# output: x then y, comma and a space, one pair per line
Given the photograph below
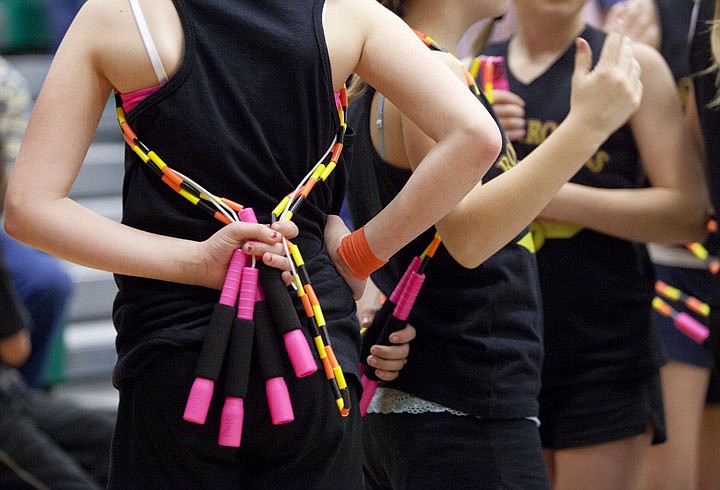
356, 253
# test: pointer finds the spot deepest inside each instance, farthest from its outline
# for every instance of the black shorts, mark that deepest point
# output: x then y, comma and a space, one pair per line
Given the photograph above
154, 448
676, 345
595, 413
442, 450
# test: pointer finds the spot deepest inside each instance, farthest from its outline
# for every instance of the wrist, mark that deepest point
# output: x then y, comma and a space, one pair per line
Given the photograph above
357, 256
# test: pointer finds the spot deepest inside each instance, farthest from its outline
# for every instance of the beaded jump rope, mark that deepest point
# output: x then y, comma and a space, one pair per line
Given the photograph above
253, 297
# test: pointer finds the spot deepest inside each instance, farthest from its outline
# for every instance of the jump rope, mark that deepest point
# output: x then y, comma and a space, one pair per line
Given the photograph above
393, 313
683, 321
254, 303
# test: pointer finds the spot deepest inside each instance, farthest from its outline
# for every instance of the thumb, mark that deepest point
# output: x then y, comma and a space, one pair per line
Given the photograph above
583, 57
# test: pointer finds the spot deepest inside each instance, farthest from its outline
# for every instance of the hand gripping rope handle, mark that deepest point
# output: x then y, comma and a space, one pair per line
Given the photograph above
241, 334
400, 302
215, 344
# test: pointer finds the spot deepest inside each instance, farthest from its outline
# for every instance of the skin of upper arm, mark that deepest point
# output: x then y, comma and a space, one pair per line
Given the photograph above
65, 115
409, 75
92, 60
669, 157
405, 143
417, 144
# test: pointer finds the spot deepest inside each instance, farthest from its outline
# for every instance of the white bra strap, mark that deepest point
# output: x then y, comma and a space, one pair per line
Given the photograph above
148, 41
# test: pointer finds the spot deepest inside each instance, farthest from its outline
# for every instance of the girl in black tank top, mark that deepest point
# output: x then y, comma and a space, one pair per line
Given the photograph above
472, 377
601, 354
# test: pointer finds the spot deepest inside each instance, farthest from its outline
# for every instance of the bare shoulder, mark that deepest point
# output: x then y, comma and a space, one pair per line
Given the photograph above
345, 33
106, 32
354, 28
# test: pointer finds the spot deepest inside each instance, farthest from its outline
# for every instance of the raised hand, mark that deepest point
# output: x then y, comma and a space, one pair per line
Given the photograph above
605, 97
636, 19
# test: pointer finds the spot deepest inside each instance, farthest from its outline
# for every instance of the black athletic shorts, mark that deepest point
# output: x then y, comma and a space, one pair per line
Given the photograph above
595, 413
155, 449
445, 451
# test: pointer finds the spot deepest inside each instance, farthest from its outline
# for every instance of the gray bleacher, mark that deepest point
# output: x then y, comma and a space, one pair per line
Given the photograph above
89, 335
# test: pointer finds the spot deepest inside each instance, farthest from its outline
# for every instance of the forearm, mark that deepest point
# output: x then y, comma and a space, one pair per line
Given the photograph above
67, 230
445, 175
494, 213
653, 214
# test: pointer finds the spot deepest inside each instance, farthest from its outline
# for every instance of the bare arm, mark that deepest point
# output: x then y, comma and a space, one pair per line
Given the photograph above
601, 100
425, 90
675, 208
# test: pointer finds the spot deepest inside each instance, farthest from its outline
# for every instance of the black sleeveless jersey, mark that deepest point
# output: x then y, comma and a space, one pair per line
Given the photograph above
478, 347
705, 92
675, 18
249, 112
596, 288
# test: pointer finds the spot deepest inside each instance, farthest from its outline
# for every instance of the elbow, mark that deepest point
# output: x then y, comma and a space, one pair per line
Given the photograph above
13, 221
483, 141
469, 261
692, 226
465, 252
698, 228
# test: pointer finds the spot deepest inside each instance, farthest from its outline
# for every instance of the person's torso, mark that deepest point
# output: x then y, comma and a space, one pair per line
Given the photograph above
249, 112
596, 289
478, 347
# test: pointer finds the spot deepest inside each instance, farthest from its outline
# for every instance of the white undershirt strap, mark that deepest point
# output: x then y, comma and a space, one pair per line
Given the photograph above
148, 41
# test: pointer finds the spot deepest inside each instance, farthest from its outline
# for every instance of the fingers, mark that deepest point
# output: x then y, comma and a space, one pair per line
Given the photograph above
366, 317
404, 335
279, 262
636, 19
388, 360
510, 99
583, 57
286, 228
256, 239
510, 111
617, 55
627, 62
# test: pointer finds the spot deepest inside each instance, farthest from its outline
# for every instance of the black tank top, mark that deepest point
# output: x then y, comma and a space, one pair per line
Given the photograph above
674, 22
478, 347
249, 112
596, 288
